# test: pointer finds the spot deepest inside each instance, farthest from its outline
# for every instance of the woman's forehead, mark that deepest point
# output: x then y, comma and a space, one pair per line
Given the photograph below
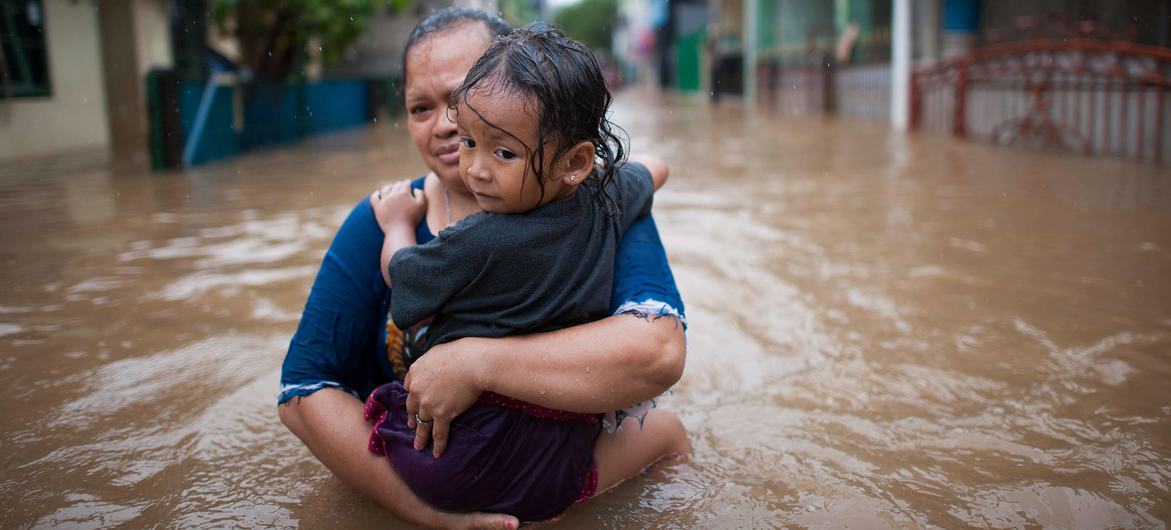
461, 44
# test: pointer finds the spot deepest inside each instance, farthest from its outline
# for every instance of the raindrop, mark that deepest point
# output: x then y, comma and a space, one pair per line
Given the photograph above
588, 368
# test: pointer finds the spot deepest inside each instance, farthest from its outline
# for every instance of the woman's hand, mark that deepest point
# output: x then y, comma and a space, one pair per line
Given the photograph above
398, 205
441, 385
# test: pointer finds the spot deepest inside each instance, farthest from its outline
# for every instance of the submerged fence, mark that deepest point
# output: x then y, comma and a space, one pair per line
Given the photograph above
1102, 98
194, 122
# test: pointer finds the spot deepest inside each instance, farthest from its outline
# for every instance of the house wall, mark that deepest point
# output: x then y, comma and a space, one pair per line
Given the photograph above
74, 115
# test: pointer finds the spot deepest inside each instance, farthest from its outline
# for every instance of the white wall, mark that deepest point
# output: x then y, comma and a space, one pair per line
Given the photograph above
74, 116
152, 35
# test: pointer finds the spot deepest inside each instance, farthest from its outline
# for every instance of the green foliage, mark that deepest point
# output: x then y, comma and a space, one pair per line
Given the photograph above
591, 22
273, 34
519, 13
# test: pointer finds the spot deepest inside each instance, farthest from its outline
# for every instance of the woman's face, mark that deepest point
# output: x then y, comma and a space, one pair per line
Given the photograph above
436, 66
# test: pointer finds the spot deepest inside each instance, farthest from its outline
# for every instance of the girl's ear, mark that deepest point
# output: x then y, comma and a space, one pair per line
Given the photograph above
579, 162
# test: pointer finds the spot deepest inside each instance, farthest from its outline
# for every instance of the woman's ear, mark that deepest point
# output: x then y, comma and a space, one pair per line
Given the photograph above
579, 162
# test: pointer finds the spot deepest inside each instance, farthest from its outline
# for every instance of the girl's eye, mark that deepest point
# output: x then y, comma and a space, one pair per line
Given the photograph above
467, 142
419, 109
505, 154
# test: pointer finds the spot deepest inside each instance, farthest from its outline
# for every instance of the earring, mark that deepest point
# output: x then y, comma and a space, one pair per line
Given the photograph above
573, 178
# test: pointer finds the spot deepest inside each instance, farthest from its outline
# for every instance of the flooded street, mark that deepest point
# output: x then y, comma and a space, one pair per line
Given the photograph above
885, 331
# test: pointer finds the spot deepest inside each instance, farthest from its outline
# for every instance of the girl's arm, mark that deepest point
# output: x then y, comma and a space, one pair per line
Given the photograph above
398, 210
658, 167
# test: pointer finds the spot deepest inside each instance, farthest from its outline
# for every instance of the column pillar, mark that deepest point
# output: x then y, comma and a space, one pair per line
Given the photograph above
929, 25
900, 65
751, 42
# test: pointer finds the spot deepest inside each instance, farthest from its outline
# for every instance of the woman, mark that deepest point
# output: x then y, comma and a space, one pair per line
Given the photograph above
339, 353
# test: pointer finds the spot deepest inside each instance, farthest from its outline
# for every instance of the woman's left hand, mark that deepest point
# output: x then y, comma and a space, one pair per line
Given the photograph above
440, 386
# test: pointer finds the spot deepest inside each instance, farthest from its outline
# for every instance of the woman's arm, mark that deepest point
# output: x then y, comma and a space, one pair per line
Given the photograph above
596, 367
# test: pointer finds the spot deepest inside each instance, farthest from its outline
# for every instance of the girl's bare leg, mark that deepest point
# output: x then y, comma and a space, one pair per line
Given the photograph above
623, 454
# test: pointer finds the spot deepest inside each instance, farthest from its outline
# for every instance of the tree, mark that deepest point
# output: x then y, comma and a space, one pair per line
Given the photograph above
591, 22
519, 13
274, 34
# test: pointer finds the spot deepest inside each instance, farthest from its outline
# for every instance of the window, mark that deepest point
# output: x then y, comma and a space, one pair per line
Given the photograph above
24, 63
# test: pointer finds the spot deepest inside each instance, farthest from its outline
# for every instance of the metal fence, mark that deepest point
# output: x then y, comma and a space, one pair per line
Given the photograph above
1101, 98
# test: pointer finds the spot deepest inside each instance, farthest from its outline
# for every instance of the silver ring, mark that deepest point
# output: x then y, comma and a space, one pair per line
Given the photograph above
422, 421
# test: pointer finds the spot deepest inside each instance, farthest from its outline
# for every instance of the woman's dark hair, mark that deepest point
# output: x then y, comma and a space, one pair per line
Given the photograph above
451, 18
564, 82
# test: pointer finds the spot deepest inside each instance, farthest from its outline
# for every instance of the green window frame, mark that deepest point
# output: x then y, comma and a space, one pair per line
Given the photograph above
24, 57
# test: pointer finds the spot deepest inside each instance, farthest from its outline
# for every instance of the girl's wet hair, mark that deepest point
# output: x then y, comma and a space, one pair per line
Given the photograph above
561, 79
451, 18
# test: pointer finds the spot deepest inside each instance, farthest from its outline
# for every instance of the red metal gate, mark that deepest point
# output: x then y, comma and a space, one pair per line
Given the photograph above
1104, 98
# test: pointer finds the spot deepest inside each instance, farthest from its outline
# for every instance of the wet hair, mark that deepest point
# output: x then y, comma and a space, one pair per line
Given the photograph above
563, 81
451, 18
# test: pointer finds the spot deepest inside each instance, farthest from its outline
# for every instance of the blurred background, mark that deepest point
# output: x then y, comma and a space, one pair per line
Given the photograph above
177, 83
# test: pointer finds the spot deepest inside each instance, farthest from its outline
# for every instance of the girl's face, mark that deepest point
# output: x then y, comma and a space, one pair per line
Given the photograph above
437, 65
495, 164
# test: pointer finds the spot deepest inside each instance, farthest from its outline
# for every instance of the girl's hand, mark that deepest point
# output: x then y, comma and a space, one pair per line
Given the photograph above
440, 386
397, 205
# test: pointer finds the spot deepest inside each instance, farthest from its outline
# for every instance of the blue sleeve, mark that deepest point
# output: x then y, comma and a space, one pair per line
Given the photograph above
643, 283
336, 343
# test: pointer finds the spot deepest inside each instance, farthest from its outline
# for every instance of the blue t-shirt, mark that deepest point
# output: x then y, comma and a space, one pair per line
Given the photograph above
341, 339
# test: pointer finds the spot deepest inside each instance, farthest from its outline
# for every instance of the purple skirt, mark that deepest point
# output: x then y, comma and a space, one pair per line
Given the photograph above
499, 458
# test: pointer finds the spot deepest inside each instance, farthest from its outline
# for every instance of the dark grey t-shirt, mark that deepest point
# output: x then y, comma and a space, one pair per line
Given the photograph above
491, 275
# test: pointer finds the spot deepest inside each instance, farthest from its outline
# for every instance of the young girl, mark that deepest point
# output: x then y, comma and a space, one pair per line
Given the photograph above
531, 116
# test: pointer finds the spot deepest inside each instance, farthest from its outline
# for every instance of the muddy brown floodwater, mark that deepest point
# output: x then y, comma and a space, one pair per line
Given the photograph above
886, 331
